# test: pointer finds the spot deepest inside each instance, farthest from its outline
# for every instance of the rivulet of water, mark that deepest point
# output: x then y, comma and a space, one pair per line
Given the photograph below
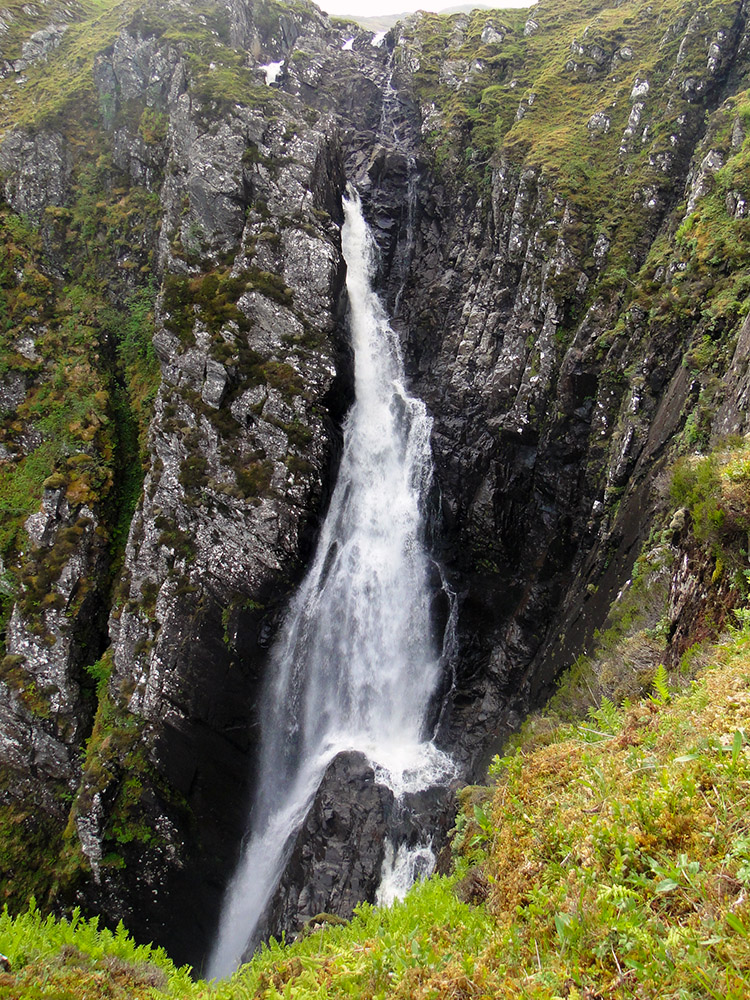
357, 660
401, 869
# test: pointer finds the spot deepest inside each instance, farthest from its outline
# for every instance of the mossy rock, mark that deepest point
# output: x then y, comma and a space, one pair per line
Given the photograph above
319, 922
55, 482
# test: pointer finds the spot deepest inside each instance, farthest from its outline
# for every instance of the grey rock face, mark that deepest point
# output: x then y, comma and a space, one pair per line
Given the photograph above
701, 180
37, 169
12, 391
491, 35
518, 414
599, 123
39, 45
44, 716
733, 416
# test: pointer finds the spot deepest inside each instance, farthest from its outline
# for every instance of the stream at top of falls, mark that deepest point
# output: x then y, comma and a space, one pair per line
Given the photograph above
357, 659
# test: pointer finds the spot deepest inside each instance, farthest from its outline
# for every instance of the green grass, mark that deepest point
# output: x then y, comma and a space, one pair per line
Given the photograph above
621, 853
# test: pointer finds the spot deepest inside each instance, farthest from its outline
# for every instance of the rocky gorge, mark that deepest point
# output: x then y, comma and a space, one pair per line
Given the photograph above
559, 200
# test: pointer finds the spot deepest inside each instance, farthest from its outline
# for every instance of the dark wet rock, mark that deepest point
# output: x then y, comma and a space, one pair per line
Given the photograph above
338, 854
337, 857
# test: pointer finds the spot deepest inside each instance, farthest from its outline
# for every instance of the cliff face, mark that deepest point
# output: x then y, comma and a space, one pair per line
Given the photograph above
560, 204
557, 314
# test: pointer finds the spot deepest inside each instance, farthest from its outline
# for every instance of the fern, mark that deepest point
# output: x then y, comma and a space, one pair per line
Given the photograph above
620, 895
607, 716
660, 685
605, 722
741, 614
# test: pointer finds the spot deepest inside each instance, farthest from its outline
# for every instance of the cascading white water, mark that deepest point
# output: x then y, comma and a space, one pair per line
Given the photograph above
356, 663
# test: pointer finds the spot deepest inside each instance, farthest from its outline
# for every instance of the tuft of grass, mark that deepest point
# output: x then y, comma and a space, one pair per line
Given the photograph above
715, 491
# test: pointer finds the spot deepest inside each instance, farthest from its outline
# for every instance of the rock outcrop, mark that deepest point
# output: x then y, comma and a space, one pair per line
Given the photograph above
339, 855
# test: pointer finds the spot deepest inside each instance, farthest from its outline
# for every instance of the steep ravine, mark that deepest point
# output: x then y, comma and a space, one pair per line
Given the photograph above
559, 202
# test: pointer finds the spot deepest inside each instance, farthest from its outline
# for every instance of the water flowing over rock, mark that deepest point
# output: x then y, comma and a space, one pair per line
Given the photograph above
357, 661
337, 855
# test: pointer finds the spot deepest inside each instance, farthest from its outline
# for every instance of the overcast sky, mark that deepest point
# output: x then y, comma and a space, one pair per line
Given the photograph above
371, 8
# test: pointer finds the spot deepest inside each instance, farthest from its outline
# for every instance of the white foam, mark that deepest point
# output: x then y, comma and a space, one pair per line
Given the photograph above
401, 869
272, 71
412, 767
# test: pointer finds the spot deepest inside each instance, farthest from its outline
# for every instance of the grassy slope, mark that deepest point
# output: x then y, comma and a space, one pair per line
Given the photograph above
610, 858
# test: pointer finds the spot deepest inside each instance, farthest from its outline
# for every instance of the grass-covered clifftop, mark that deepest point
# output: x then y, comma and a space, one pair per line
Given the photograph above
604, 104
554, 87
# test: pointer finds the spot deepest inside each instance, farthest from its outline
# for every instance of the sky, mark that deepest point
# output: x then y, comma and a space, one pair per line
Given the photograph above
371, 8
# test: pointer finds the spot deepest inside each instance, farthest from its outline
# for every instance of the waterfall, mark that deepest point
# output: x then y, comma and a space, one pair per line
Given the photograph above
356, 662
394, 131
